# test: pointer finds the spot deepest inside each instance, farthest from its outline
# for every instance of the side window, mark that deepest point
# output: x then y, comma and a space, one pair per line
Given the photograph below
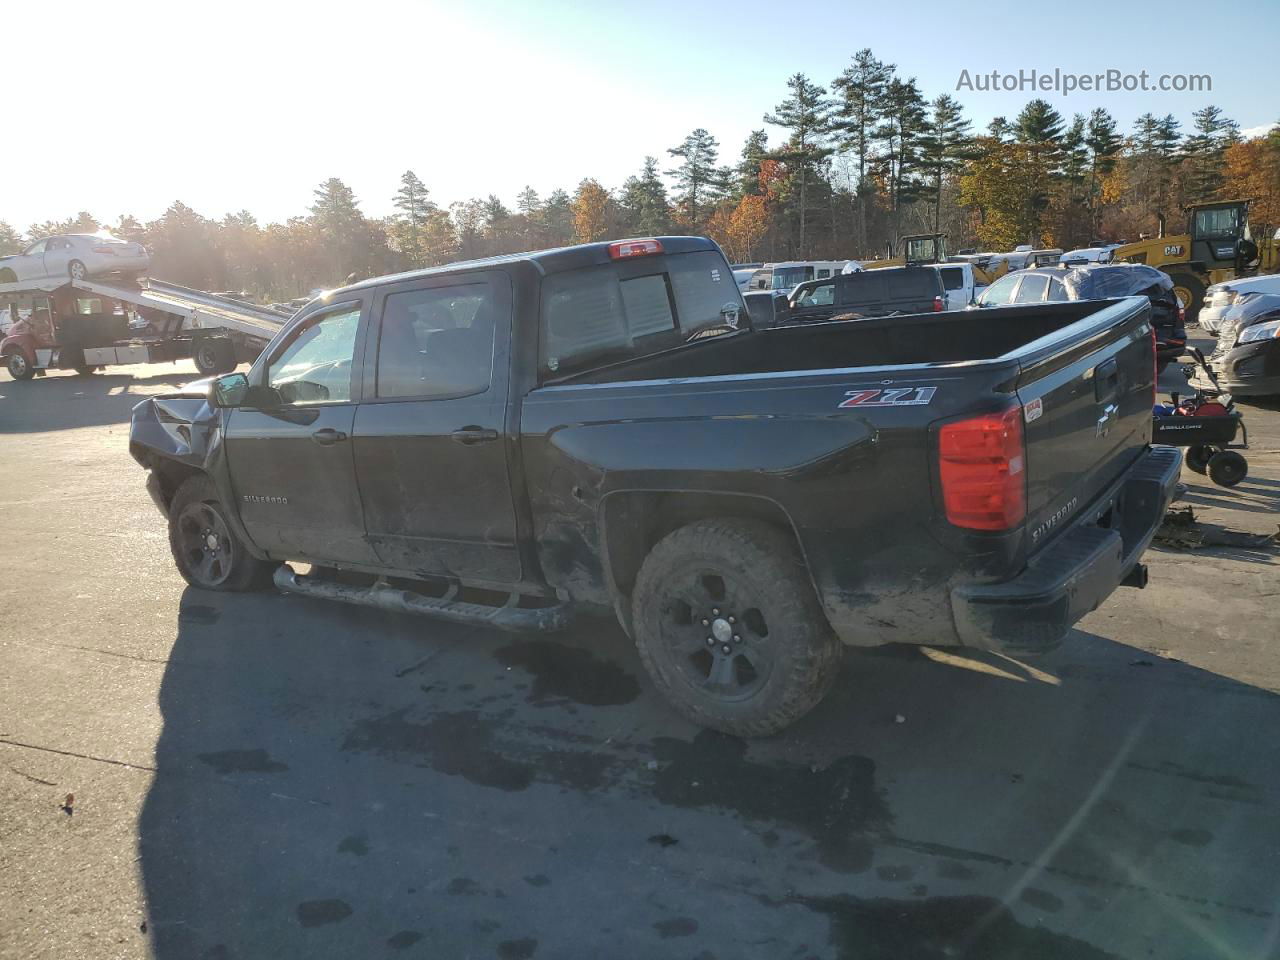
436, 342
1001, 292
316, 365
1056, 290
822, 295
952, 277
36, 248
1033, 287
823, 273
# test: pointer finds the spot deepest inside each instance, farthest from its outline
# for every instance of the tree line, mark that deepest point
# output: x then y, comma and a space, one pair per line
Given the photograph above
835, 171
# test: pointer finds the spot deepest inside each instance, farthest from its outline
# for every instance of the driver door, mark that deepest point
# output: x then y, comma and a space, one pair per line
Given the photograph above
57, 257
291, 463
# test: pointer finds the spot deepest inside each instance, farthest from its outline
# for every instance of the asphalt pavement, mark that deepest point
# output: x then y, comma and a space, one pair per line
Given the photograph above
196, 775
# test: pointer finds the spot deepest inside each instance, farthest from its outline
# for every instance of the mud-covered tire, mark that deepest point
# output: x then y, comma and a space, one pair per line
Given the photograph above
1227, 468
220, 563
743, 584
18, 367
1198, 457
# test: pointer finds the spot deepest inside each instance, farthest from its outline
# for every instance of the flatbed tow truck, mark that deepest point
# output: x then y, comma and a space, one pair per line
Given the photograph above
87, 324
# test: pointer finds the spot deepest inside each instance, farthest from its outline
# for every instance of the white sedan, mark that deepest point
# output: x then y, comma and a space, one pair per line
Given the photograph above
75, 256
1221, 297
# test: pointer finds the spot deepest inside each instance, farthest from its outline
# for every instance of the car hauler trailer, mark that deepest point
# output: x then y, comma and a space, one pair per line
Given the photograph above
85, 324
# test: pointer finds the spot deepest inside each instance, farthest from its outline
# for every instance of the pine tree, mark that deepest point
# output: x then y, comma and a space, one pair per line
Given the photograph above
1203, 151
944, 146
900, 132
806, 115
1103, 144
557, 218
644, 204
1038, 123
999, 129
697, 176
860, 91
409, 227
754, 152
10, 240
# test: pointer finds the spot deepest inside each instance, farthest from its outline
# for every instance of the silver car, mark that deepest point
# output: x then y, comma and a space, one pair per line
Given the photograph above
74, 255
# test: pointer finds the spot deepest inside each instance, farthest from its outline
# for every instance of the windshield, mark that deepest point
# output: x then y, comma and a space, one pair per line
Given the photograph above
785, 278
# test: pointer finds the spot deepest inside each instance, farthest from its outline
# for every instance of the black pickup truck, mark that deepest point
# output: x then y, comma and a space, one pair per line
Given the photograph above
599, 427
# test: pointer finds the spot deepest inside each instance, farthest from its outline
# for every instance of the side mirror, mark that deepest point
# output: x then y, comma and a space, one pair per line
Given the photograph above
229, 391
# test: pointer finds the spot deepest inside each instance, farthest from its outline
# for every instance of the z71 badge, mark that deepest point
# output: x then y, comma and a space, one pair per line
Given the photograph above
895, 397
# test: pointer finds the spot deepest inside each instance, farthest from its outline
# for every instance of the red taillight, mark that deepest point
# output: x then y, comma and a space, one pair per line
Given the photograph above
983, 471
110, 250
634, 248
937, 304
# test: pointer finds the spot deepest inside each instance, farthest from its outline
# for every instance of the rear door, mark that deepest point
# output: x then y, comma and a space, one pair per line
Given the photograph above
431, 443
57, 257
1086, 415
291, 464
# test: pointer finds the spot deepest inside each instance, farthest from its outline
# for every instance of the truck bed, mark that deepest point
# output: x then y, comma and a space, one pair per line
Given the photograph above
929, 338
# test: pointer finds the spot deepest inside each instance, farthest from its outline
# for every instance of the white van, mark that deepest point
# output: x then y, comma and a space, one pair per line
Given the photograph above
786, 275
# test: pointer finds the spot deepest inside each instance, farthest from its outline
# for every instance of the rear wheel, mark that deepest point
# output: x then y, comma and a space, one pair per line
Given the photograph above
8, 276
85, 369
18, 366
729, 628
1189, 289
1228, 468
214, 356
207, 551
77, 270
1198, 457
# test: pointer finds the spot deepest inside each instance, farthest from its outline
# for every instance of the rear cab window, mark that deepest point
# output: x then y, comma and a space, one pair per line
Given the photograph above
633, 308
952, 278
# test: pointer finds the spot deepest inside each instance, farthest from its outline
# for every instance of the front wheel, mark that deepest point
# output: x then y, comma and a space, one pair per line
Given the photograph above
729, 628
207, 551
1189, 289
1228, 468
18, 366
77, 270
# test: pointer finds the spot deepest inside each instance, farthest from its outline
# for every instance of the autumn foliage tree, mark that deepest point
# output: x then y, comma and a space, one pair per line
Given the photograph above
592, 212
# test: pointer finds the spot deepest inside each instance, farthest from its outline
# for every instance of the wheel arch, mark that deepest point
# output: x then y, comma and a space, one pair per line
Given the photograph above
631, 523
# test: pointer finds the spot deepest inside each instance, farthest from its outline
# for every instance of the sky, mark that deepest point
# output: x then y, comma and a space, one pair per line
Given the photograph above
236, 105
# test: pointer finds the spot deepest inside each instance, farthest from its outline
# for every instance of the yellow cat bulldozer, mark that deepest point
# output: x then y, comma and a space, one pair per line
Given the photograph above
1217, 246
918, 248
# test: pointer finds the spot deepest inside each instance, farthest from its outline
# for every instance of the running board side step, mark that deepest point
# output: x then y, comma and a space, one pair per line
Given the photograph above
509, 616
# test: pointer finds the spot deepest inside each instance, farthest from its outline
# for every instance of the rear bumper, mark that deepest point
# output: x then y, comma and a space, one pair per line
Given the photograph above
1034, 611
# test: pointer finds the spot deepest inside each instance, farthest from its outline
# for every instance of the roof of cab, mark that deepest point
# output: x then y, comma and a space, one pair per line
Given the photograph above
553, 260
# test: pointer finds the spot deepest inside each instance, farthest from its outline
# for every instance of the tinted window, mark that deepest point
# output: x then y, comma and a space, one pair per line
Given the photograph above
1000, 292
821, 295
1033, 287
868, 287
952, 278
436, 342
316, 365
615, 311
823, 274
915, 283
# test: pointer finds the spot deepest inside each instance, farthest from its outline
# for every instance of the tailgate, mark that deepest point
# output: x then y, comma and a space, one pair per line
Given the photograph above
1086, 394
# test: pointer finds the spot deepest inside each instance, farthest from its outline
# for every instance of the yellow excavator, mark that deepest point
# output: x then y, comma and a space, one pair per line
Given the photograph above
1217, 246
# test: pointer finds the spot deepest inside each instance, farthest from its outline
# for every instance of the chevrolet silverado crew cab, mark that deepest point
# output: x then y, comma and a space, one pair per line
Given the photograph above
513, 440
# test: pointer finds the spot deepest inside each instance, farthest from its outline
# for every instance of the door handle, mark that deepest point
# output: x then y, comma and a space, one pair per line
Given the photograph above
473, 434
328, 436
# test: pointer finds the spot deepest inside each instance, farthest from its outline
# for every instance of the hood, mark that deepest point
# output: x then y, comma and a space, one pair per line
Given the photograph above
1250, 309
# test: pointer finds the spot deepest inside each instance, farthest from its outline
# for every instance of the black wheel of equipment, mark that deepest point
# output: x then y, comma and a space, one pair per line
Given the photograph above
213, 356
1227, 468
1189, 290
207, 551
729, 628
1198, 457
18, 366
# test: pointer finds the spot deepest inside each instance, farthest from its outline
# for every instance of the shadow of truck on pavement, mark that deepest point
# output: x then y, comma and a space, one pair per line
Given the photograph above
338, 782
